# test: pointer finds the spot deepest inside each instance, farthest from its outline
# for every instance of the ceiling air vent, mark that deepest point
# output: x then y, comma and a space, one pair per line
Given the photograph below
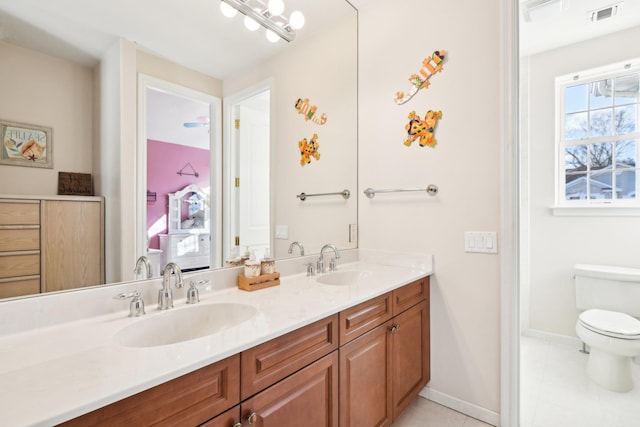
604, 13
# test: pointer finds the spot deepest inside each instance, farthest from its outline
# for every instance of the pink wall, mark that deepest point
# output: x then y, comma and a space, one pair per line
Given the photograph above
164, 160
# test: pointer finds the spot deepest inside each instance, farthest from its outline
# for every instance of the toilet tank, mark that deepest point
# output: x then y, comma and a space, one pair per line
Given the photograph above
608, 288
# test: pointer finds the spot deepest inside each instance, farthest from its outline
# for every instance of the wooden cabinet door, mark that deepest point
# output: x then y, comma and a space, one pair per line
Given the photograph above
411, 355
307, 398
72, 244
365, 380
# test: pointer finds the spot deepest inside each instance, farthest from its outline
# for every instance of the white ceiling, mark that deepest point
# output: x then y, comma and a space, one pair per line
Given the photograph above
189, 32
564, 22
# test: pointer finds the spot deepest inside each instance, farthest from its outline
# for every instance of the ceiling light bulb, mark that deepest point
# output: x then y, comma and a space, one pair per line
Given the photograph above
251, 24
297, 19
228, 11
272, 37
276, 7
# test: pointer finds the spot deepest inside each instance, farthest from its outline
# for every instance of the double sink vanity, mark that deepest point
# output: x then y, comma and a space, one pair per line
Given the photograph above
347, 348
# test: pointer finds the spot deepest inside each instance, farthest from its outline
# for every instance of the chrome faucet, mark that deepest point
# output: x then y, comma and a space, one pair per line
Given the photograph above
165, 295
299, 245
146, 262
332, 265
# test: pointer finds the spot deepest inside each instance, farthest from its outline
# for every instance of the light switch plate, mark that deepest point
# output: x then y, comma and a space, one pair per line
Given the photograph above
485, 242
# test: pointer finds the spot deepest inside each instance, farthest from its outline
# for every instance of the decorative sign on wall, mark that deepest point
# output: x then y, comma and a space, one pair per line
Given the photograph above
309, 149
430, 65
422, 129
26, 145
309, 111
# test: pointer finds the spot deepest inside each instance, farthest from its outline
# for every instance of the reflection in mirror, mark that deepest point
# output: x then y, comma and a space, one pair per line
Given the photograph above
82, 81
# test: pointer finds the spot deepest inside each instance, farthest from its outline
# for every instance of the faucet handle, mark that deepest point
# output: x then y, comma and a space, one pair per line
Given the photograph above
332, 265
136, 307
193, 296
310, 270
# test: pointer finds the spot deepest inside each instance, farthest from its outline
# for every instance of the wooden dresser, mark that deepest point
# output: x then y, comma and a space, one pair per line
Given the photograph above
50, 243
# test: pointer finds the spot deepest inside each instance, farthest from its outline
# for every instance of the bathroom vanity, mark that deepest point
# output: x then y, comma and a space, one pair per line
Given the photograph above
337, 349
359, 367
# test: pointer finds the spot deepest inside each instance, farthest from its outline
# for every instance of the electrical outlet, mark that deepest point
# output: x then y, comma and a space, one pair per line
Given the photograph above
353, 233
282, 232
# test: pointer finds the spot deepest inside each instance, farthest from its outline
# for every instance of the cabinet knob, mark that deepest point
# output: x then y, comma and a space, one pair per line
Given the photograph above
394, 328
252, 418
237, 425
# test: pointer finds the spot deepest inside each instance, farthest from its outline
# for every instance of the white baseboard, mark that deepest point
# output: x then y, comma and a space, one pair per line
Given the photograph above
551, 337
469, 409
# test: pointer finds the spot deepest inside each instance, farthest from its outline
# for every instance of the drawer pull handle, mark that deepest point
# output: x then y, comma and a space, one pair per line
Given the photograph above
252, 418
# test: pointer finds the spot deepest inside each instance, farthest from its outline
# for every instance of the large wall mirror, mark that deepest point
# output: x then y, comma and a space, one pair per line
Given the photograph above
92, 70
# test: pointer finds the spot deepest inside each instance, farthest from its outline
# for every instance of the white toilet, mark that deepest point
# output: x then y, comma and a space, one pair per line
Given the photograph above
609, 298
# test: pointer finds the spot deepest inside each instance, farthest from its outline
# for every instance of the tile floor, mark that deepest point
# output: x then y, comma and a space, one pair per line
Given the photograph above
556, 392
425, 413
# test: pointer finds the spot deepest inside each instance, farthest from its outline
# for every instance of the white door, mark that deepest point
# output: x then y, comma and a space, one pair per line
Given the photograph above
252, 193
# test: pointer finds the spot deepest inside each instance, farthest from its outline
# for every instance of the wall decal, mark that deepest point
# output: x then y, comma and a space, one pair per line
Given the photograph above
309, 111
430, 66
308, 150
422, 129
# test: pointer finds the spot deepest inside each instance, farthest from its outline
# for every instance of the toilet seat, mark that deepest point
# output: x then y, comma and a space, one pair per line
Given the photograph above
611, 323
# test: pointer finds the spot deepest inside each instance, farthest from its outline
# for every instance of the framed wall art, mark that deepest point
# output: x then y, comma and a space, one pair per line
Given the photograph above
26, 145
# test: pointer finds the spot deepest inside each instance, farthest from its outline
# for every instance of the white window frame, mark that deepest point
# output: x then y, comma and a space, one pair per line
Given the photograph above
591, 207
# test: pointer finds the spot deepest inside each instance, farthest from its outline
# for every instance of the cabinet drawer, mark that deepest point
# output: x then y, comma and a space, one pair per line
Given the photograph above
19, 265
19, 213
361, 318
228, 419
19, 239
189, 400
19, 286
270, 362
409, 295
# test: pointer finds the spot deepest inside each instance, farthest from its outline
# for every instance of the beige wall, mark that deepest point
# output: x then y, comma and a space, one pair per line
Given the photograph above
46, 91
394, 38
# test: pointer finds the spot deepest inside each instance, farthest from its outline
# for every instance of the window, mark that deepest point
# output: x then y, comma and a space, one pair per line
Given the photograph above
598, 135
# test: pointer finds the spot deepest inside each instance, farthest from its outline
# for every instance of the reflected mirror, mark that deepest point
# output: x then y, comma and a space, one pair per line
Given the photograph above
76, 65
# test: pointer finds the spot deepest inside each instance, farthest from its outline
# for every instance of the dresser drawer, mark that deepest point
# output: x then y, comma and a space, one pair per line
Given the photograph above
272, 361
19, 265
19, 213
361, 318
409, 295
19, 286
19, 239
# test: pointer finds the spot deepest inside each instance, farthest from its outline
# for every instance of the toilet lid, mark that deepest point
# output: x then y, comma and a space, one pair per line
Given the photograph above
611, 322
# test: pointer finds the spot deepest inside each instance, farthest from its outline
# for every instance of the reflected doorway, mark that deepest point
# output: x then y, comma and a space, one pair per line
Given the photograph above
181, 168
249, 149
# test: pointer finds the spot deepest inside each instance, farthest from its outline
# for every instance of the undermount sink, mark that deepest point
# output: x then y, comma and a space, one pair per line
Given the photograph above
179, 325
346, 277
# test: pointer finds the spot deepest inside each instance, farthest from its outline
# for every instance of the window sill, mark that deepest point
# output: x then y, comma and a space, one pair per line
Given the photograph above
595, 210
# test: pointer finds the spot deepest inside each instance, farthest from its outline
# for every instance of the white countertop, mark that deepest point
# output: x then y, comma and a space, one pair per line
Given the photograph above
51, 374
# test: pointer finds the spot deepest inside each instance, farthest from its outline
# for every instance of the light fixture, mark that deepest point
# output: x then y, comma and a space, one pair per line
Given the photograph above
268, 15
227, 10
538, 10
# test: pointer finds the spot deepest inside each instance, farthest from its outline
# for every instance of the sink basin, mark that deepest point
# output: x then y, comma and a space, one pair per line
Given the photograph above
346, 277
179, 325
